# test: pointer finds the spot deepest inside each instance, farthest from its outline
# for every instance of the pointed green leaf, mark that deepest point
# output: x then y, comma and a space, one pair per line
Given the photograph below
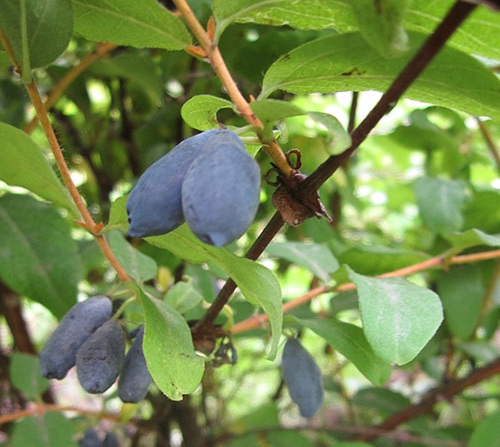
486, 432
168, 348
118, 218
440, 203
345, 62
478, 35
483, 211
462, 292
200, 112
269, 111
350, 341
374, 259
38, 31
25, 375
23, 164
316, 257
140, 24
339, 139
139, 266
257, 283
183, 296
472, 238
303, 14
381, 24
38, 257
382, 400
399, 318
49, 429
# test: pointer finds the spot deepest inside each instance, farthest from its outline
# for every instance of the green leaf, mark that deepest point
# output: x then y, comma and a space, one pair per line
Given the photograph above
486, 432
38, 257
472, 238
462, 292
480, 350
200, 112
138, 67
23, 164
51, 429
350, 341
139, 266
478, 35
140, 24
257, 283
25, 375
271, 110
315, 257
339, 139
399, 318
483, 211
168, 348
183, 296
383, 400
118, 218
346, 62
440, 203
381, 24
303, 14
38, 31
374, 260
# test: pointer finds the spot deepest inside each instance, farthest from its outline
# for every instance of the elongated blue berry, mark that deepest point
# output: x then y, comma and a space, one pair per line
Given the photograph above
59, 353
220, 193
90, 439
302, 377
111, 441
135, 378
100, 358
154, 205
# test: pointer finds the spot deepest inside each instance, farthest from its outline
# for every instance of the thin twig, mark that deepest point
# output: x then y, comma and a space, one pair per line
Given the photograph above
68, 78
257, 321
220, 68
44, 408
352, 112
225, 293
494, 150
443, 392
88, 221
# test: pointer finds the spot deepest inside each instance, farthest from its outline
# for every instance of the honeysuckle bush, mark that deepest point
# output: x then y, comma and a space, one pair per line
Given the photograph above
376, 240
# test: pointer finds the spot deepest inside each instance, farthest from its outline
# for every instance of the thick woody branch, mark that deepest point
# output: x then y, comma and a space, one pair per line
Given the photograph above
457, 14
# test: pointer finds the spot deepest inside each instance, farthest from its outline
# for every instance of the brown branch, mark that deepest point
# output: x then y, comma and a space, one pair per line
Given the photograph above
352, 112
494, 150
257, 321
219, 65
44, 408
458, 13
69, 77
265, 237
88, 221
454, 18
444, 392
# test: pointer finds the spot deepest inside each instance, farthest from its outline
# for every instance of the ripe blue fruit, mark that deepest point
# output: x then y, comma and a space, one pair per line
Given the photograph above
110, 441
154, 205
220, 192
90, 439
302, 377
100, 358
135, 378
59, 353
